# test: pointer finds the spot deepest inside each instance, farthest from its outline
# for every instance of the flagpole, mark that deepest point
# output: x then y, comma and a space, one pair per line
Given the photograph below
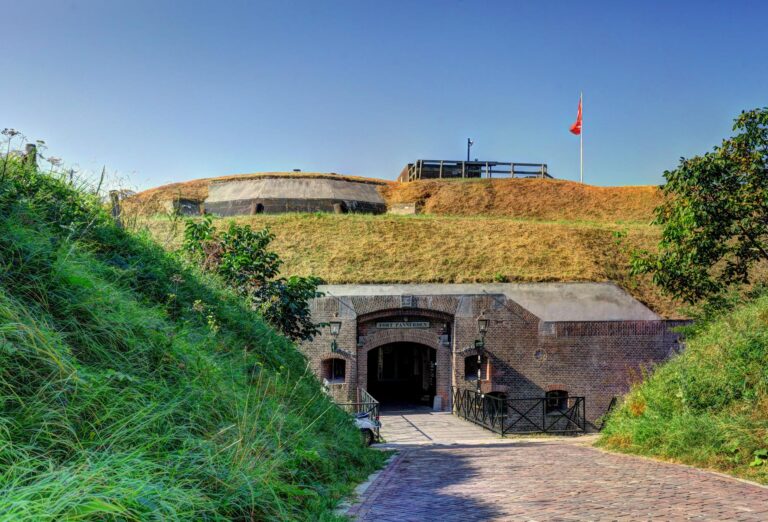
581, 139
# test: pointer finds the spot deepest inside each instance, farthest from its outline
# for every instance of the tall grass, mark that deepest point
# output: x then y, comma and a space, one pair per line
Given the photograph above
708, 406
133, 388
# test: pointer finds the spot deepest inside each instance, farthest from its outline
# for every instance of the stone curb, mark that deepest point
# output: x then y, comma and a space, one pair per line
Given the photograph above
355, 500
679, 464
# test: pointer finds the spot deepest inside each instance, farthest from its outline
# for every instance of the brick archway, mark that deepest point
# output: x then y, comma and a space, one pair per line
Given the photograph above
400, 336
429, 339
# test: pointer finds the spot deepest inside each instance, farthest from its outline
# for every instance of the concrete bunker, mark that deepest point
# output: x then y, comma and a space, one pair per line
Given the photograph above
271, 194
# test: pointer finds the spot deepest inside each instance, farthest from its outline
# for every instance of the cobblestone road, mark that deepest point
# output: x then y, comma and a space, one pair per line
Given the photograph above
549, 480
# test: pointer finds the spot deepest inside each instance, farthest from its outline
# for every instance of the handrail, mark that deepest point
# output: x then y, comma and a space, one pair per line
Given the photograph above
608, 411
366, 404
519, 415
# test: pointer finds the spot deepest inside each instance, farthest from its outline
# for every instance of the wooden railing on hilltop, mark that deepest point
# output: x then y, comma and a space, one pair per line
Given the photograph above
442, 169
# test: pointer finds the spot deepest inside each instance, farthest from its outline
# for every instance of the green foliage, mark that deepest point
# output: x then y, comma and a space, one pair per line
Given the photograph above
197, 234
715, 216
132, 387
240, 256
284, 303
244, 262
761, 457
708, 406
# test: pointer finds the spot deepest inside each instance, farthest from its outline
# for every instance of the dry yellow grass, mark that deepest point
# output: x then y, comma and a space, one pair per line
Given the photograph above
521, 198
409, 249
528, 198
476, 231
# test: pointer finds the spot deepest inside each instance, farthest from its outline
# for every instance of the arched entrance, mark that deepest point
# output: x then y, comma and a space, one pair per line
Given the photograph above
418, 339
403, 374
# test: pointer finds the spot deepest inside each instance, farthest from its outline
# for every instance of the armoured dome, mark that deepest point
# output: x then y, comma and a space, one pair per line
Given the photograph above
293, 193
264, 192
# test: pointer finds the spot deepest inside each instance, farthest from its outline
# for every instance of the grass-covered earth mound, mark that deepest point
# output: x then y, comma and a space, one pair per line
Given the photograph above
359, 248
133, 388
474, 230
708, 406
542, 199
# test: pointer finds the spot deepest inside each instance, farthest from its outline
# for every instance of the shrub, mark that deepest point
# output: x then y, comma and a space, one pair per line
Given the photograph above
240, 257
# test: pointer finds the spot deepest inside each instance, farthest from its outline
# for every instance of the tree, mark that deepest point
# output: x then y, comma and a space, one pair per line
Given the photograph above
240, 256
714, 216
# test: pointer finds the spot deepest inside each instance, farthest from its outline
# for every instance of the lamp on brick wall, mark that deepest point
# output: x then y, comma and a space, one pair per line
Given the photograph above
482, 327
335, 327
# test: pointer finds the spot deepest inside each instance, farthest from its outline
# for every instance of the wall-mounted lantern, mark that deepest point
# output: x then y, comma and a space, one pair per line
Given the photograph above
482, 327
335, 327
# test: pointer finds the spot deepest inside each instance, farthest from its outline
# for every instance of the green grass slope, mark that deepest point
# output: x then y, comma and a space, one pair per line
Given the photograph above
131, 388
708, 406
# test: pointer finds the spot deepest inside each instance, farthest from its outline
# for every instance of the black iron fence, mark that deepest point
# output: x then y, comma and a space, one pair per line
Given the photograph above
608, 411
521, 415
365, 404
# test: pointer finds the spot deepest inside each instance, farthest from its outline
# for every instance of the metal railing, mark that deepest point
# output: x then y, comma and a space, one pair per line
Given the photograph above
444, 169
365, 404
608, 411
520, 415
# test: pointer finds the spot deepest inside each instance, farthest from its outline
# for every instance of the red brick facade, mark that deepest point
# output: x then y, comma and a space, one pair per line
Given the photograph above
526, 356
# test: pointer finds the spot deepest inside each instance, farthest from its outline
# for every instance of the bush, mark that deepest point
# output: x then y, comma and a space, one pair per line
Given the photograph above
241, 258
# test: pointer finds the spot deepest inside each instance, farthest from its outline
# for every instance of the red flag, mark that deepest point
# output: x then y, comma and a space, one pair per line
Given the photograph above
576, 127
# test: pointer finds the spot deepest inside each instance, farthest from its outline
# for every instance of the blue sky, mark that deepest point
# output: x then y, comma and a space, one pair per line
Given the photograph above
162, 91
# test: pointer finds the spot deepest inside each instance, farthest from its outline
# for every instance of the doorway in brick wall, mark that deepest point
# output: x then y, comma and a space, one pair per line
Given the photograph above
402, 374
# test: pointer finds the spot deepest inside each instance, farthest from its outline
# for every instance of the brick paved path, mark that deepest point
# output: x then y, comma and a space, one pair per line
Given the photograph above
424, 426
549, 480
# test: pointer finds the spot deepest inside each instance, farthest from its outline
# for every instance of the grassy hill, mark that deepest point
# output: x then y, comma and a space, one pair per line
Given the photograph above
539, 199
469, 231
132, 388
450, 249
708, 406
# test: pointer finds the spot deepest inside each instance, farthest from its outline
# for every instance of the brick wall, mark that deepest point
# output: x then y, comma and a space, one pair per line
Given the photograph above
526, 357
